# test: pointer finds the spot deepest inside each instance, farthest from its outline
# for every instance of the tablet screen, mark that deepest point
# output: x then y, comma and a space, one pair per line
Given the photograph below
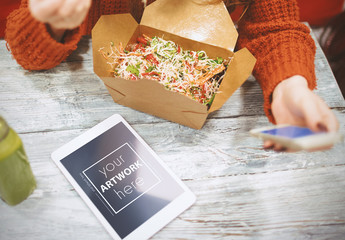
122, 178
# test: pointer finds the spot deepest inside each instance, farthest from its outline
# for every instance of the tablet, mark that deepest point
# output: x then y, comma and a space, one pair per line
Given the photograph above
121, 179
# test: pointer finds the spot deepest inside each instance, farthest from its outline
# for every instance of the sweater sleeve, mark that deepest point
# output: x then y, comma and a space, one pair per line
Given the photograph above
31, 44
281, 44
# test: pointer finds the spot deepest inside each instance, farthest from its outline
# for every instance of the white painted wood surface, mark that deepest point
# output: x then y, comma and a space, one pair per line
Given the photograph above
243, 191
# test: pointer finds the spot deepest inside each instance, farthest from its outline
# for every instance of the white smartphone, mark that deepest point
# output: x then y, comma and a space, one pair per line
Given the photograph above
297, 138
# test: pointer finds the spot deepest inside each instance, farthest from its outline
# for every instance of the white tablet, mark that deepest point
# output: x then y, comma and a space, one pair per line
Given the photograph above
125, 184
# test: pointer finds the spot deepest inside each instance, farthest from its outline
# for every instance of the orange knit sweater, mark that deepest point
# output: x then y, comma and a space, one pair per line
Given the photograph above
269, 29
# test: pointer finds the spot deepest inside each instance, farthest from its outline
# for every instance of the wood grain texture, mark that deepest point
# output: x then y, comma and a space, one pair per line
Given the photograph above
243, 191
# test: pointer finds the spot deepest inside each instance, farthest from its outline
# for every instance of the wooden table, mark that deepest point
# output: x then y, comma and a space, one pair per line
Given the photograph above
243, 191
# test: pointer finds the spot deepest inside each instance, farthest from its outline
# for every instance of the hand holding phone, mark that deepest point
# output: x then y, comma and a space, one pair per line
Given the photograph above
297, 138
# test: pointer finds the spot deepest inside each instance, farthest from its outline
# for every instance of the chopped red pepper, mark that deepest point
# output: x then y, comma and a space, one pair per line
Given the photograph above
195, 92
142, 40
133, 77
136, 47
150, 73
188, 65
152, 59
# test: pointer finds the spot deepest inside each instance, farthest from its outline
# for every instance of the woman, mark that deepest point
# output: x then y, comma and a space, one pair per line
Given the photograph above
42, 33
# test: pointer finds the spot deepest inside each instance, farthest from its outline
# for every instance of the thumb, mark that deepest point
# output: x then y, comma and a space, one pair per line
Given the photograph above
318, 116
313, 115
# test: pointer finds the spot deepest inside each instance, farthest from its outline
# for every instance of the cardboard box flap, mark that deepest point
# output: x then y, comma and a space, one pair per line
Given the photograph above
188, 118
207, 23
239, 69
110, 28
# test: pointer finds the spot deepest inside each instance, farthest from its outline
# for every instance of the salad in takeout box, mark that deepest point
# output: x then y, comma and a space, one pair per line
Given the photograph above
192, 27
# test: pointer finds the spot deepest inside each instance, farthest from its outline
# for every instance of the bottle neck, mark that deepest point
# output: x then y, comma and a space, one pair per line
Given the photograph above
4, 129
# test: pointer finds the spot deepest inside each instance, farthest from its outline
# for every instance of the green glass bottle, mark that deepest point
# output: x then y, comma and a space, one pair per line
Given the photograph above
17, 181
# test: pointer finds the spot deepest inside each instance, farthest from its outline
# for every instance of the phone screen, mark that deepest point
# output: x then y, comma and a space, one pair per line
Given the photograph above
290, 132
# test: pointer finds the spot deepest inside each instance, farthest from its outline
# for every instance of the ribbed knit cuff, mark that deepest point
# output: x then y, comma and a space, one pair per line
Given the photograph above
281, 44
284, 61
31, 44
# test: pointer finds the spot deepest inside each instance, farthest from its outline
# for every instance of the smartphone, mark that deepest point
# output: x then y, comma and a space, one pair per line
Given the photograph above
297, 138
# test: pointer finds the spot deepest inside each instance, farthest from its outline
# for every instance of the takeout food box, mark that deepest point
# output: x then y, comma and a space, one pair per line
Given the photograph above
192, 26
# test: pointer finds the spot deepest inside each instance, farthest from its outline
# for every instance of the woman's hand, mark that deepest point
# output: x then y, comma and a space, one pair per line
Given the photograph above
294, 103
59, 15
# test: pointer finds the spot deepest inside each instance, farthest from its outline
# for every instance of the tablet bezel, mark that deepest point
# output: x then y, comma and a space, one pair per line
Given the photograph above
154, 223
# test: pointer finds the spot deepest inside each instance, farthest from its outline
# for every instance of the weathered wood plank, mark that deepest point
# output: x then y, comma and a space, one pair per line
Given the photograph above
46, 107
267, 205
260, 206
221, 148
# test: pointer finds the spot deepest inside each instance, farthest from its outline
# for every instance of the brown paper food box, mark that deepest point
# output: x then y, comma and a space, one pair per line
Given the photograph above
193, 27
